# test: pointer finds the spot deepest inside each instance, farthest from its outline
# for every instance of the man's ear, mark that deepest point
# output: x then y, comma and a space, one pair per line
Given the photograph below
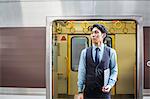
103, 35
91, 36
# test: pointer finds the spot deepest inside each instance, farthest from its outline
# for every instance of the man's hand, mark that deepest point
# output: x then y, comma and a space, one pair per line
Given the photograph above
106, 88
80, 96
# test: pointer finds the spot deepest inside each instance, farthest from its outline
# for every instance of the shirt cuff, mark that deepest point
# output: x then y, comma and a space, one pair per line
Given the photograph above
80, 89
111, 82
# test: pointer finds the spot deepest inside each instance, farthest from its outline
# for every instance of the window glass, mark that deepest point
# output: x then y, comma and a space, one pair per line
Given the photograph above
77, 44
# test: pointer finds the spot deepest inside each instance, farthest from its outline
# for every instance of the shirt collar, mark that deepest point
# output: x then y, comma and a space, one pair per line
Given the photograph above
100, 47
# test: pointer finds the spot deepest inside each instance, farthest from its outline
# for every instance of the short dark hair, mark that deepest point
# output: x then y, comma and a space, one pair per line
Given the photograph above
100, 27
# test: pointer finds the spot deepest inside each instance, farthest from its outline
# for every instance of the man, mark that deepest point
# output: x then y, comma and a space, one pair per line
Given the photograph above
97, 72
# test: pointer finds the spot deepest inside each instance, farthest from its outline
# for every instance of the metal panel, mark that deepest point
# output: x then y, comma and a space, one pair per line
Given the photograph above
123, 7
22, 91
126, 62
146, 61
34, 13
139, 58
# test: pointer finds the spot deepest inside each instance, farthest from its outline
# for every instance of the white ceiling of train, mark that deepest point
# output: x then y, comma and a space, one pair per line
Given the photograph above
20, 13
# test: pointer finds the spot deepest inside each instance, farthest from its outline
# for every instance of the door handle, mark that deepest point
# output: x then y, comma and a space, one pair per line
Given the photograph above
61, 76
148, 63
59, 73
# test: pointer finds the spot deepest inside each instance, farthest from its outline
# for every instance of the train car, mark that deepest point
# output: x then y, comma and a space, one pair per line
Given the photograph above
26, 64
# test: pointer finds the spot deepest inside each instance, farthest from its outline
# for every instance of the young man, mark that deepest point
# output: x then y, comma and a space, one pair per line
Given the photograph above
95, 62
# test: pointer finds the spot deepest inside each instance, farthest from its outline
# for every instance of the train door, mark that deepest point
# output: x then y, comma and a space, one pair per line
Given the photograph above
110, 41
59, 64
62, 63
76, 44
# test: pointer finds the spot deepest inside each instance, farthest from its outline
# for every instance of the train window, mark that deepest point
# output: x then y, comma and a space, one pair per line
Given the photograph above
108, 41
77, 44
23, 52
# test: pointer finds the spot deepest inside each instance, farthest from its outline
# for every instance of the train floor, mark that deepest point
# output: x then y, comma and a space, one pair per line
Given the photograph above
112, 97
44, 97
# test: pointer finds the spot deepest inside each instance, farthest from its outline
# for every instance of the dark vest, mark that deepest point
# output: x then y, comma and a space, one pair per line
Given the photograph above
95, 73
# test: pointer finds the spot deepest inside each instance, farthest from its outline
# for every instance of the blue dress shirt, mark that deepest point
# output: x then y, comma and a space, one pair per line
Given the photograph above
82, 66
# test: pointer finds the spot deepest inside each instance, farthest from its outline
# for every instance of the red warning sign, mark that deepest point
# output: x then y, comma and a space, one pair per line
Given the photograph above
63, 38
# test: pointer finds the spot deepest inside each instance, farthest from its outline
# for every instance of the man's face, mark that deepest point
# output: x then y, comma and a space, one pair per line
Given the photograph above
96, 35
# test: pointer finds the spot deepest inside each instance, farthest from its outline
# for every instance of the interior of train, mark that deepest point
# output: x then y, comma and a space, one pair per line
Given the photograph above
69, 37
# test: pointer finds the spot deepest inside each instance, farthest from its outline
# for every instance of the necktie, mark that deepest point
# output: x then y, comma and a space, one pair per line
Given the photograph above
97, 56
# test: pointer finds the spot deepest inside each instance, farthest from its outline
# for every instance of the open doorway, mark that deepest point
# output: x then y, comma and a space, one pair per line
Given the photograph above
123, 36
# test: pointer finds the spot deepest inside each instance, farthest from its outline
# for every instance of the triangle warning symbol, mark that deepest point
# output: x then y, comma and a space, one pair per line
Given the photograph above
63, 38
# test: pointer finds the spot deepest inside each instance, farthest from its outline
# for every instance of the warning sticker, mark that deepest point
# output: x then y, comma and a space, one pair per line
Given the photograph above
62, 38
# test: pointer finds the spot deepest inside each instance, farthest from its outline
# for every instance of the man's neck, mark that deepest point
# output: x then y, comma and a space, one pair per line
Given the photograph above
98, 44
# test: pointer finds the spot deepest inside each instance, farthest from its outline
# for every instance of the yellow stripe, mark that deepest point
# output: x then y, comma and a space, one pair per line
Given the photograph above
68, 67
113, 46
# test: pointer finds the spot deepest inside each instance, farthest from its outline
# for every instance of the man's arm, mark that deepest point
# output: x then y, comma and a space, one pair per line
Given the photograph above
81, 71
113, 68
